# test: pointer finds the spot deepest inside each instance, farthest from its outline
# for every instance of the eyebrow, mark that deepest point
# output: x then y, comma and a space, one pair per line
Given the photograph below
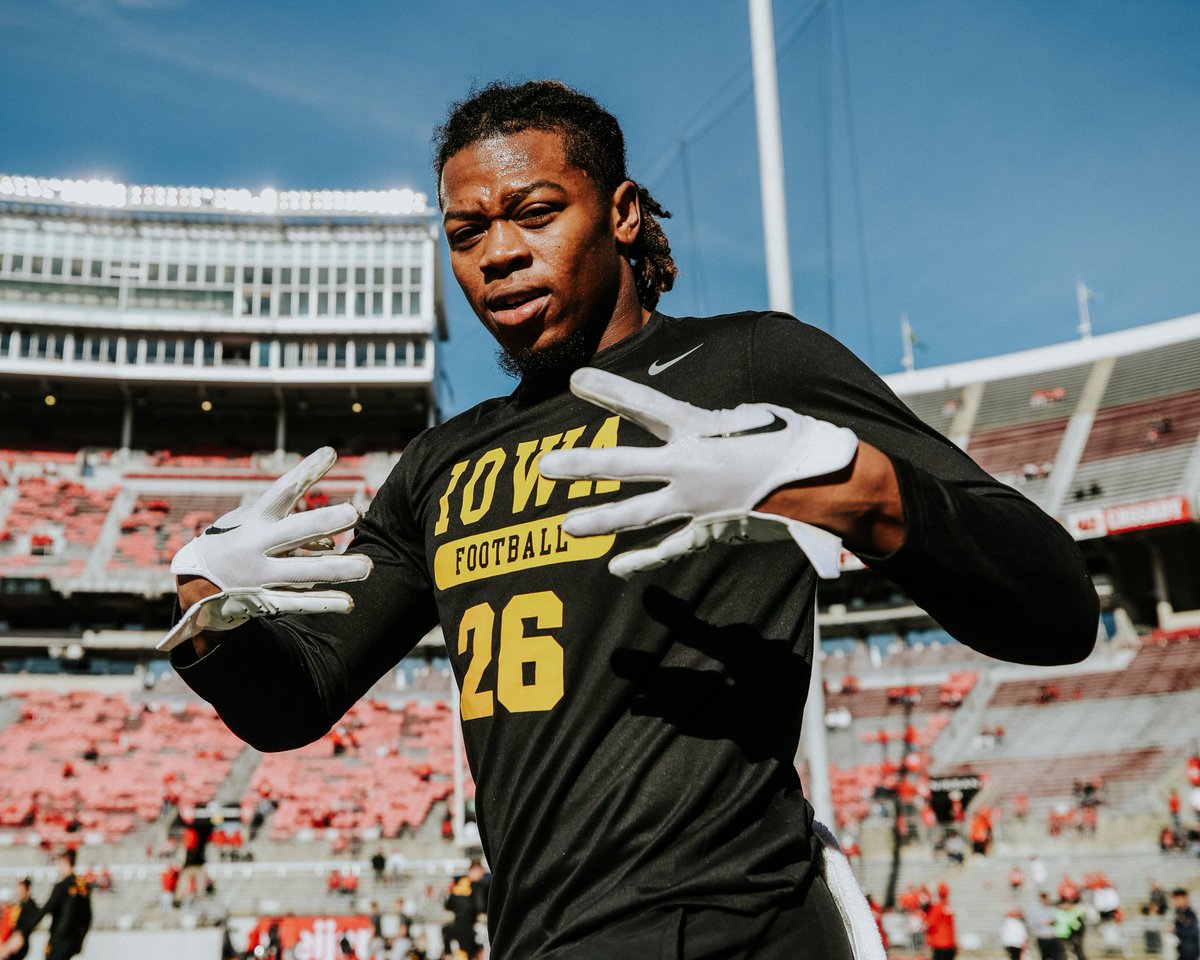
507, 200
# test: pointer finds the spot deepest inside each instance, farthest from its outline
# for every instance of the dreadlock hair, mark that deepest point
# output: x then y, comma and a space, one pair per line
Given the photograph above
593, 142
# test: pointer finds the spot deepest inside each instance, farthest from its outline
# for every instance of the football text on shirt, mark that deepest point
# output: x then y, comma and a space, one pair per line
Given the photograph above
470, 495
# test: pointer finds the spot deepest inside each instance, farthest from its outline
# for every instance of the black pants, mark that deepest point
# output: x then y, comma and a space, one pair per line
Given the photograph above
62, 949
945, 953
810, 929
1049, 948
463, 935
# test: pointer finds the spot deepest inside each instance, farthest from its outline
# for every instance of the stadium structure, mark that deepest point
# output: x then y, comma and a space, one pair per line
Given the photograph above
165, 352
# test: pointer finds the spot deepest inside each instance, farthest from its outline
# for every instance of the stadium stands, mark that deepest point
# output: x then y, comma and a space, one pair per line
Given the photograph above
382, 768
91, 768
1030, 398
52, 524
1165, 663
386, 774
159, 526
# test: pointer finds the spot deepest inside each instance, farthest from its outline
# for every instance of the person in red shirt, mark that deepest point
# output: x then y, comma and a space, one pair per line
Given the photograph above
939, 926
981, 830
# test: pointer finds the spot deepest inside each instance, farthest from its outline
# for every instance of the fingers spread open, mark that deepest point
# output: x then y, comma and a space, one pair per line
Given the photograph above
282, 495
644, 510
691, 537
302, 571
611, 463
650, 409
297, 529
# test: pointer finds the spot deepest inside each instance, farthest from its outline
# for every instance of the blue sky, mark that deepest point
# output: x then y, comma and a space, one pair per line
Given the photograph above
1004, 148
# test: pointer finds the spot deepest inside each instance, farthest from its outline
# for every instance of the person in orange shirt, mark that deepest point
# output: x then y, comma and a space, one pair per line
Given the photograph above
981, 830
939, 926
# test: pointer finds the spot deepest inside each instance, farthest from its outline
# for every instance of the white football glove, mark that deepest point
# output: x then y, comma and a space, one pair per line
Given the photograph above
717, 464
244, 553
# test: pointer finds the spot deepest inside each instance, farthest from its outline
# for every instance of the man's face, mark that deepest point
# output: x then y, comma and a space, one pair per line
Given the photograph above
533, 244
1180, 902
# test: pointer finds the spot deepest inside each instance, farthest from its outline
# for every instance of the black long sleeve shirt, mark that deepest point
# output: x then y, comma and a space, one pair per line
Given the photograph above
633, 742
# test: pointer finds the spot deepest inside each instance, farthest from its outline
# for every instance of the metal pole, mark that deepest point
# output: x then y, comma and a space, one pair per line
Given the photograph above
126, 421
1082, 296
280, 426
820, 794
770, 156
907, 337
779, 297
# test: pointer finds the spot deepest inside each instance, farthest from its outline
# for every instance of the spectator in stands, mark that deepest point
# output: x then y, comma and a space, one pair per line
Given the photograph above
1013, 934
1069, 928
1173, 808
981, 830
1041, 917
378, 866
70, 910
1187, 928
939, 926
403, 919
1037, 872
954, 847
1107, 903
196, 833
170, 883
467, 900
1194, 801
20, 918
396, 863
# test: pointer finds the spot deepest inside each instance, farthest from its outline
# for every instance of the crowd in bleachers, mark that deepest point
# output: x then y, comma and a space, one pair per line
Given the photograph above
93, 767
52, 522
379, 771
54, 504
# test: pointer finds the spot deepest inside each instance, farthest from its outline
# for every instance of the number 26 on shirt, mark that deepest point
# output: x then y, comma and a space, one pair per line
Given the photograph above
529, 665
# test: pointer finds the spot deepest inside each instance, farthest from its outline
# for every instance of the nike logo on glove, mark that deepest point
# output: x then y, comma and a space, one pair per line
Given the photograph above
658, 367
215, 530
777, 423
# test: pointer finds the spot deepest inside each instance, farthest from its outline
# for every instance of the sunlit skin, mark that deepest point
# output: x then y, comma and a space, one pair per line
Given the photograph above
539, 251
536, 245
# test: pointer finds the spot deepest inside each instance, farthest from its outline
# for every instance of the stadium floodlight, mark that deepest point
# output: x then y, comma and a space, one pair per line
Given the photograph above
269, 200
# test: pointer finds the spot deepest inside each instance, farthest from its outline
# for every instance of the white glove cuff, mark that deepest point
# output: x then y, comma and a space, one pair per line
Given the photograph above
211, 613
823, 549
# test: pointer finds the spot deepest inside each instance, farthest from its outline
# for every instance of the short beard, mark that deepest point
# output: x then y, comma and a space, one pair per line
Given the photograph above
556, 361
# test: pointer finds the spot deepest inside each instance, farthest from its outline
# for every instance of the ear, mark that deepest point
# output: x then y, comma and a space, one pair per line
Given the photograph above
626, 214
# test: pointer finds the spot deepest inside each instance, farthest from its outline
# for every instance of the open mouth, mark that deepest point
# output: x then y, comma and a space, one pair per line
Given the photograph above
517, 308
